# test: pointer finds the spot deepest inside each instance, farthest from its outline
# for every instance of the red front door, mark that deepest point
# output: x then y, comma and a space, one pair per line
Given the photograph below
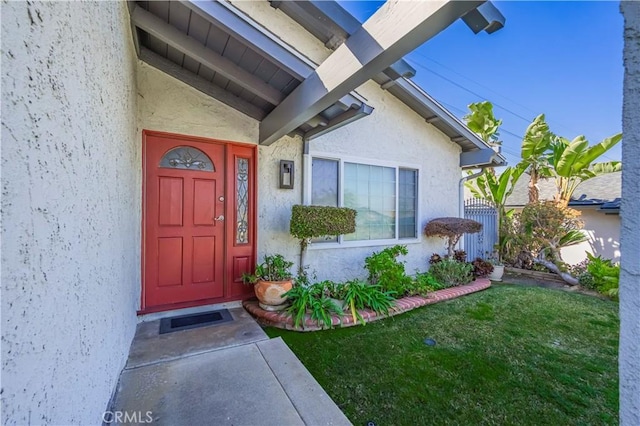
184, 219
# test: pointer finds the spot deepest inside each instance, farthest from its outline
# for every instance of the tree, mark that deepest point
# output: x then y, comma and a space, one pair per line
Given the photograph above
542, 229
482, 122
536, 143
572, 162
488, 186
496, 189
451, 229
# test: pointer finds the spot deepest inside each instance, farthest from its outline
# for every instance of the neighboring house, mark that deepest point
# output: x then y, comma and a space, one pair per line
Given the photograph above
597, 200
141, 159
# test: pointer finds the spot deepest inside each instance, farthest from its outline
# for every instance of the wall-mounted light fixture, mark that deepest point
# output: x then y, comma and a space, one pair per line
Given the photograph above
286, 174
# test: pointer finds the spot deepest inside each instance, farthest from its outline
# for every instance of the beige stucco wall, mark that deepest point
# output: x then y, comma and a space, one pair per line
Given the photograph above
603, 232
168, 105
393, 132
286, 28
629, 358
70, 208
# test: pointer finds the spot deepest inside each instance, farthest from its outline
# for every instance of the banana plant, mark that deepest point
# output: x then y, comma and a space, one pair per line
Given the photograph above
496, 188
536, 143
572, 163
482, 122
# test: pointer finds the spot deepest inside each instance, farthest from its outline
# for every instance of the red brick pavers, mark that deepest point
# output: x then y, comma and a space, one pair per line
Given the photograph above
282, 320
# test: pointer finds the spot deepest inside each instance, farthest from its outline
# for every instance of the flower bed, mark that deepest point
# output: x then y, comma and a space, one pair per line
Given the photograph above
284, 321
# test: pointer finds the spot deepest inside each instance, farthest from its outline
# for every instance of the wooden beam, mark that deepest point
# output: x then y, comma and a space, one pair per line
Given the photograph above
343, 119
394, 30
199, 83
233, 21
197, 51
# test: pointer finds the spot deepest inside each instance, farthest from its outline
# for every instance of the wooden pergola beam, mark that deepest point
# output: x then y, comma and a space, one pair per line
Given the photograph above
197, 51
396, 29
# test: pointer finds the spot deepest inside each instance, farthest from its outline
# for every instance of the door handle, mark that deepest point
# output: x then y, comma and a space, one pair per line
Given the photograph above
221, 217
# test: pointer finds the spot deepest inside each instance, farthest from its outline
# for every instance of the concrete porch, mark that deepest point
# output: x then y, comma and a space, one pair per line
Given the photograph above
227, 374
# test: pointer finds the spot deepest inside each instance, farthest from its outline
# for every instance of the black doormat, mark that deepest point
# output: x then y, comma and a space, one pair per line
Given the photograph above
187, 322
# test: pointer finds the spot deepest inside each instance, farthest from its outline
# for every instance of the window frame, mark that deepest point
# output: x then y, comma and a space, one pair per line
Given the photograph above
342, 159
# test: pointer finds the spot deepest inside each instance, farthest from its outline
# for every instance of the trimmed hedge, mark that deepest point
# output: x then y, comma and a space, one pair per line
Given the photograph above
316, 221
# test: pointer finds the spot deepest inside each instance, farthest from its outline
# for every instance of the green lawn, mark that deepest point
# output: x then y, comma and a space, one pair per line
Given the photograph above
509, 355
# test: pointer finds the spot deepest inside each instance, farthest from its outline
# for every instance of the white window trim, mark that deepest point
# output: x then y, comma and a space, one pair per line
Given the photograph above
397, 165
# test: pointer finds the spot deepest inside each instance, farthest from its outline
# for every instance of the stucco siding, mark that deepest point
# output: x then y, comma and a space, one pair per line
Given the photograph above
70, 208
395, 134
286, 28
169, 105
629, 359
603, 232
165, 104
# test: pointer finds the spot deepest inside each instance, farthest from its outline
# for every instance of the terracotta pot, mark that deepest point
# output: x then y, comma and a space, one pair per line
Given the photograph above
498, 271
270, 294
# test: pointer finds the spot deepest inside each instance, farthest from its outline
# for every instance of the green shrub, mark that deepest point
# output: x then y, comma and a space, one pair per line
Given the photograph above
423, 284
311, 299
274, 268
580, 271
452, 273
606, 275
315, 299
361, 295
309, 222
316, 221
386, 271
586, 280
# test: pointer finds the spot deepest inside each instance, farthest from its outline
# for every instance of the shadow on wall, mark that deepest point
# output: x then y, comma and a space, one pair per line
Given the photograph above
604, 238
605, 246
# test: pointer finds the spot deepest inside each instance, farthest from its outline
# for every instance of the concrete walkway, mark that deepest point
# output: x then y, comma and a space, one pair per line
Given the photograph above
227, 374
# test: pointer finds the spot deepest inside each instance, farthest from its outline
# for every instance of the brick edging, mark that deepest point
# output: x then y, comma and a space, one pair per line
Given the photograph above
284, 321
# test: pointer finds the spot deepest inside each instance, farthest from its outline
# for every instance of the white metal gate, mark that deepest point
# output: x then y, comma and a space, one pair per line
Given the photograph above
481, 244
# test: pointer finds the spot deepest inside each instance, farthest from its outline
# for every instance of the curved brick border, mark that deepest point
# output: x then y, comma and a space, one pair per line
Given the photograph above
282, 320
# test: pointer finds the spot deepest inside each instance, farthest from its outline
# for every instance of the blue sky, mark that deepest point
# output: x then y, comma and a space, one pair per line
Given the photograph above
563, 59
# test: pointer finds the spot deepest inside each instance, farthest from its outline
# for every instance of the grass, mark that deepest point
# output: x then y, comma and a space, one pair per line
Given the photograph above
507, 355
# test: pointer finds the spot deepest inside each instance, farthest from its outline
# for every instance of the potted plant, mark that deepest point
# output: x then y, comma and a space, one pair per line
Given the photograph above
271, 280
498, 268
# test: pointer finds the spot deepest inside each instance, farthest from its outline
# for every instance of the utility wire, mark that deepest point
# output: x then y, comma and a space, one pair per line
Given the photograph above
479, 96
417, 53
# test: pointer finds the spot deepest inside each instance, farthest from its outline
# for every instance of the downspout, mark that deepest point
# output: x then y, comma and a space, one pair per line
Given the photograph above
461, 198
305, 194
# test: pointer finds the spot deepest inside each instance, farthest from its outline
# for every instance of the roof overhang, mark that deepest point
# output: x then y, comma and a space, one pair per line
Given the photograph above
219, 50
475, 152
333, 25
222, 52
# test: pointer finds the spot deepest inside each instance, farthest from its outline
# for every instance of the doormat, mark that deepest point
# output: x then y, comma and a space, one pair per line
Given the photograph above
187, 322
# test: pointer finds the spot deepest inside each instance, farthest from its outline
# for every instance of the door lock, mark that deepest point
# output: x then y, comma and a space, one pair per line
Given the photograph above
221, 217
